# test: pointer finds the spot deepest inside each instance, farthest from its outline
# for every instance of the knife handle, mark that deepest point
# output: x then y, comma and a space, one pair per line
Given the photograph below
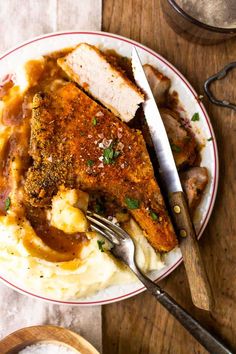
196, 273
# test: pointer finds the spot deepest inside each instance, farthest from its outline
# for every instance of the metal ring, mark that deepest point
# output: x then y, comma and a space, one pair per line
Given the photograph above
218, 76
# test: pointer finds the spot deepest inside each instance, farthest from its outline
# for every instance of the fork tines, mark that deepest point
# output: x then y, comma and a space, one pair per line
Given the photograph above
108, 229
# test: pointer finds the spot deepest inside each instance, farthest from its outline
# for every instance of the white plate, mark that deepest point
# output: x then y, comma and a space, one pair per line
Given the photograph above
42, 45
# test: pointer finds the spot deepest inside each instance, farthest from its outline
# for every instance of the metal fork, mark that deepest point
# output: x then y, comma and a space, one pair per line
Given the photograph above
123, 248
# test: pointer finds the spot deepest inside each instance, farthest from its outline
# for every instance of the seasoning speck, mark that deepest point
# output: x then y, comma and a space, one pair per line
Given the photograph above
175, 148
153, 215
94, 121
195, 117
99, 114
7, 203
90, 163
100, 245
132, 203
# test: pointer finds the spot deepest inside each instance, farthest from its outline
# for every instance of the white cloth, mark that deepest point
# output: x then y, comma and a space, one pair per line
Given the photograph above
20, 21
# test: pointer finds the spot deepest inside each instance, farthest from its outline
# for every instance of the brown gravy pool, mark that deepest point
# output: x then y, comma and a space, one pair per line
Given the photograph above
16, 115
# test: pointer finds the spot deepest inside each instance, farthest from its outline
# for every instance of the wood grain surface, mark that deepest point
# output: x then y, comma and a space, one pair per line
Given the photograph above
199, 285
140, 325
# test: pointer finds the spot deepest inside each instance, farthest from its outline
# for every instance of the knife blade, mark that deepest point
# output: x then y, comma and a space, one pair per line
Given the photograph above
195, 270
167, 167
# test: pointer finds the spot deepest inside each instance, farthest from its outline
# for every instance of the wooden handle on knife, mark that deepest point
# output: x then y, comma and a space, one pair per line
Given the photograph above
196, 273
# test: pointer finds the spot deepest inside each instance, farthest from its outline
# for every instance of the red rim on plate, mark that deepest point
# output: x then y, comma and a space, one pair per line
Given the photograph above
216, 162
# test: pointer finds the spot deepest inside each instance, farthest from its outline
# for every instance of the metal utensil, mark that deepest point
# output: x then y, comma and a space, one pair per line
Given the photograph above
219, 76
196, 274
123, 248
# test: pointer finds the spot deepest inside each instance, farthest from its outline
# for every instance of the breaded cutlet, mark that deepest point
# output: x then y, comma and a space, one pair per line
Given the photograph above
95, 73
77, 143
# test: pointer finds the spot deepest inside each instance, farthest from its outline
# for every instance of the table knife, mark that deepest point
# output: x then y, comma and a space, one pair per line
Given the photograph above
195, 270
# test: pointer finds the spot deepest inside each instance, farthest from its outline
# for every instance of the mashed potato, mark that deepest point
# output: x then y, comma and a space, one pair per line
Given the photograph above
92, 271
66, 215
28, 262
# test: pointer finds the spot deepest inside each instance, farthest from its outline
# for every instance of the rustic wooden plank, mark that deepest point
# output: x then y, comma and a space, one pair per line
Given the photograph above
140, 325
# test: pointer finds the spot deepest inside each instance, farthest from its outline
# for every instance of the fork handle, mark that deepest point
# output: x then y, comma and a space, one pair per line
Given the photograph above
208, 340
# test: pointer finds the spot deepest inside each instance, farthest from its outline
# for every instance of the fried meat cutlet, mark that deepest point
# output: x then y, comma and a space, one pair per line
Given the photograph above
194, 182
77, 143
91, 69
159, 83
182, 142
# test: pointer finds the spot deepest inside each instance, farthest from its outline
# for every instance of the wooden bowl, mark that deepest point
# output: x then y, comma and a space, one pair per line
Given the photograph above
20, 339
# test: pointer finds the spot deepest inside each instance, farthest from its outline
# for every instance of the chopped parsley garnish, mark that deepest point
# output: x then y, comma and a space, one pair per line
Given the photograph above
116, 154
132, 203
90, 163
100, 245
7, 203
195, 117
108, 154
153, 215
94, 121
81, 133
210, 139
98, 208
175, 148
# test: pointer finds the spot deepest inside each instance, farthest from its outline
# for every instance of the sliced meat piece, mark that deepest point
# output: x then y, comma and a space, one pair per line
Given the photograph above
123, 64
159, 83
194, 182
182, 141
78, 143
90, 68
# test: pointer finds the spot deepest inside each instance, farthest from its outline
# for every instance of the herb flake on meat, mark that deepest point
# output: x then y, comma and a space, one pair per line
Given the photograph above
94, 121
195, 117
132, 203
100, 245
175, 148
90, 163
7, 203
153, 215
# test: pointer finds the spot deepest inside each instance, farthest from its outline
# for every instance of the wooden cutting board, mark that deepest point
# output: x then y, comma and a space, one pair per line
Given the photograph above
53, 334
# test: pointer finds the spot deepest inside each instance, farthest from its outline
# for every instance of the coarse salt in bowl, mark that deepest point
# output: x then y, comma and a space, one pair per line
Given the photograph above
48, 348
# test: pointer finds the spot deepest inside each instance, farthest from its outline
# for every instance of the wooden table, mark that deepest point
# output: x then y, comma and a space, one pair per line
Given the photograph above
140, 325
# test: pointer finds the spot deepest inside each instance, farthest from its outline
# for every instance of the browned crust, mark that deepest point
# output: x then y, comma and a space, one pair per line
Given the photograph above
60, 153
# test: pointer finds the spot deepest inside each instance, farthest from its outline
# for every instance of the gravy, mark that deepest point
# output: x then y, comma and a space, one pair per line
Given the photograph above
41, 75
